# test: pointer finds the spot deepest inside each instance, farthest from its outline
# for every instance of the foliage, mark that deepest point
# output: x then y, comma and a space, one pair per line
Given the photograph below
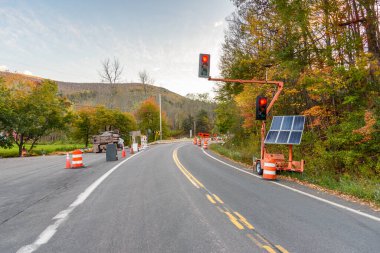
203, 123
188, 124
41, 149
91, 121
129, 96
327, 54
30, 110
148, 117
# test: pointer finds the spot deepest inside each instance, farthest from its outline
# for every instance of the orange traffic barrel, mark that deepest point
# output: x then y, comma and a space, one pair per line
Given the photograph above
269, 169
199, 142
77, 159
195, 141
205, 144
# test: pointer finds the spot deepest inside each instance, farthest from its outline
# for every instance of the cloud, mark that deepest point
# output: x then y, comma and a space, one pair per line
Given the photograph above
218, 23
27, 72
3, 68
156, 69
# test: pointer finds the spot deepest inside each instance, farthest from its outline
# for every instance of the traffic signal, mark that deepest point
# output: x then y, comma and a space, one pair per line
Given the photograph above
261, 108
204, 66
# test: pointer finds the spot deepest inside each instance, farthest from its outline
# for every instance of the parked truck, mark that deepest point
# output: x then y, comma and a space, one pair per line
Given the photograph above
100, 141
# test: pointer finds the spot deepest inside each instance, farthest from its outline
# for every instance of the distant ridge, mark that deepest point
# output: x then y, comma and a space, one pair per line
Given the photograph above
125, 96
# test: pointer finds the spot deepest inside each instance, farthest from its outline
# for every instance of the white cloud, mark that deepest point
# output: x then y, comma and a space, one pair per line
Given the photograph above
218, 23
156, 69
27, 72
3, 68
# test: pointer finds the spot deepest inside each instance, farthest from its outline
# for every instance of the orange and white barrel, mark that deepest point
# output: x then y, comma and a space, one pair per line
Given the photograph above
205, 144
199, 142
77, 161
195, 141
269, 172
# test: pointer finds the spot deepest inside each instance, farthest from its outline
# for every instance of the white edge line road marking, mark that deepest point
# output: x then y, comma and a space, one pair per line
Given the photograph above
48, 233
302, 192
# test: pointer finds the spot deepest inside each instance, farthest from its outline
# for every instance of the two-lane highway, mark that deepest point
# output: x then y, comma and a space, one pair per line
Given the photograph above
169, 198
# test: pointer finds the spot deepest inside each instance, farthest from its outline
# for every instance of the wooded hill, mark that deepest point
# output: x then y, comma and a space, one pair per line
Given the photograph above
127, 97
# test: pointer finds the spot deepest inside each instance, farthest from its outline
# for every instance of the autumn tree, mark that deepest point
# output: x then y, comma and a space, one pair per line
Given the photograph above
30, 110
148, 118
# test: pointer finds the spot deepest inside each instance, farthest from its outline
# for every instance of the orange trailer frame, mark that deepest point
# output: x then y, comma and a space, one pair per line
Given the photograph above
281, 163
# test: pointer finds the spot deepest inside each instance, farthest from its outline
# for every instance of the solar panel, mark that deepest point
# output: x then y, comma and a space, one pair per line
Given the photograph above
286, 130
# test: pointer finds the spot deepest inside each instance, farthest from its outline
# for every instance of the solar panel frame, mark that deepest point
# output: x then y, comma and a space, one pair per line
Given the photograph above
294, 136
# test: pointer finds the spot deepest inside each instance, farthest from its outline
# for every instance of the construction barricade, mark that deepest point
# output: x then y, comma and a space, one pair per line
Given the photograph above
77, 159
205, 144
269, 172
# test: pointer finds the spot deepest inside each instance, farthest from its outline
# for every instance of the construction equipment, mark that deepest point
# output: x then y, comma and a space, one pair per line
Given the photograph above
108, 137
275, 159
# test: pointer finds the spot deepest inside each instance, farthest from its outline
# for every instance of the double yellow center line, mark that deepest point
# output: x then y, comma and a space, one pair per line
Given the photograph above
238, 220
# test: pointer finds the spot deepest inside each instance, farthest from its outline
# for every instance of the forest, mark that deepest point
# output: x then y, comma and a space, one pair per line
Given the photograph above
327, 53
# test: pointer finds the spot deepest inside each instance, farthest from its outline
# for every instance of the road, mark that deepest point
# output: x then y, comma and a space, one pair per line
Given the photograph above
170, 198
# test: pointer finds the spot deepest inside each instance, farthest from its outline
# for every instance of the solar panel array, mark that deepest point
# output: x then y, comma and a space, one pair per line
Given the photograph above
286, 130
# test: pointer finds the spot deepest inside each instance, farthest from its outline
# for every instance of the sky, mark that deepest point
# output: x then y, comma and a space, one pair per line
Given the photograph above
67, 40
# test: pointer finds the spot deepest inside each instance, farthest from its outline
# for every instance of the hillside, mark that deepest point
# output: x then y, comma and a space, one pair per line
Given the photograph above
125, 96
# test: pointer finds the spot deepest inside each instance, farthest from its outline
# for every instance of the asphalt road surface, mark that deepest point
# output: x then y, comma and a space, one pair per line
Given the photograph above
170, 198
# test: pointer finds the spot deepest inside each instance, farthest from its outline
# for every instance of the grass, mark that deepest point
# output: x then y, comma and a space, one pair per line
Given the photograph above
367, 189
41, 149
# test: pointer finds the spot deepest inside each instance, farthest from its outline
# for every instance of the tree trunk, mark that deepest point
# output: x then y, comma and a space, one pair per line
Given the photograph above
20, 145
371, 28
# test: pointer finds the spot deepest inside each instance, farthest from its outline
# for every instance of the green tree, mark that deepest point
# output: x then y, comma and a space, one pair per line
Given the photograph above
35, 110
83, 125
188, 124
148, 117
203, 122
92, 121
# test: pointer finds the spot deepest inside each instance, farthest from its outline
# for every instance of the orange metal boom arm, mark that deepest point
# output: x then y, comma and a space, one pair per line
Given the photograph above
280, 86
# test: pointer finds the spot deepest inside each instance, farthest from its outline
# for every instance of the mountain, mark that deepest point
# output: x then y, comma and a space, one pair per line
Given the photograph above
125, 96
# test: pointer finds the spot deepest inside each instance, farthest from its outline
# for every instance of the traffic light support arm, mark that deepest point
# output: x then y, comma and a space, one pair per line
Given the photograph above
280, 86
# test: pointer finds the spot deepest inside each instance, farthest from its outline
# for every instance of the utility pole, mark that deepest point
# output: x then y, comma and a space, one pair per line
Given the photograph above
195, 133
159, 98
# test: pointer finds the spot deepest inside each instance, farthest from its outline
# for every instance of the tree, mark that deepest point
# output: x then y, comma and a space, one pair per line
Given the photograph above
203, 122
35, 110
148, 117
83, 125
92, 121
145, 79
111, 71
188, 124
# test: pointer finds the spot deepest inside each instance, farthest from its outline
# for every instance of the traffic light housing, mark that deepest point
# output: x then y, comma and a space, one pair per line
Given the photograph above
204, 66
261, 108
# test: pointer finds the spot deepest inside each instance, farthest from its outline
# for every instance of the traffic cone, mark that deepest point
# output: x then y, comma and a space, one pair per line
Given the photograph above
123, 153
68, 165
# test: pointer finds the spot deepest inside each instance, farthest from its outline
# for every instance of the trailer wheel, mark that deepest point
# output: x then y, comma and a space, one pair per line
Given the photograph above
259, 170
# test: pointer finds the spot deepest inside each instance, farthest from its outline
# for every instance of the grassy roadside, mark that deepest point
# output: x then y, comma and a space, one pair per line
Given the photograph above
363, 189
40, 149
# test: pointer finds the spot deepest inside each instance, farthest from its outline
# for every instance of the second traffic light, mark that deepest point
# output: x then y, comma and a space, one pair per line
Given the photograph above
204, 66
261, 108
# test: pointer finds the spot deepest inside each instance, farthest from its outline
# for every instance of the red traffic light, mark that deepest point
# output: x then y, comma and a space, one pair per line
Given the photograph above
263, 101
205, 58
